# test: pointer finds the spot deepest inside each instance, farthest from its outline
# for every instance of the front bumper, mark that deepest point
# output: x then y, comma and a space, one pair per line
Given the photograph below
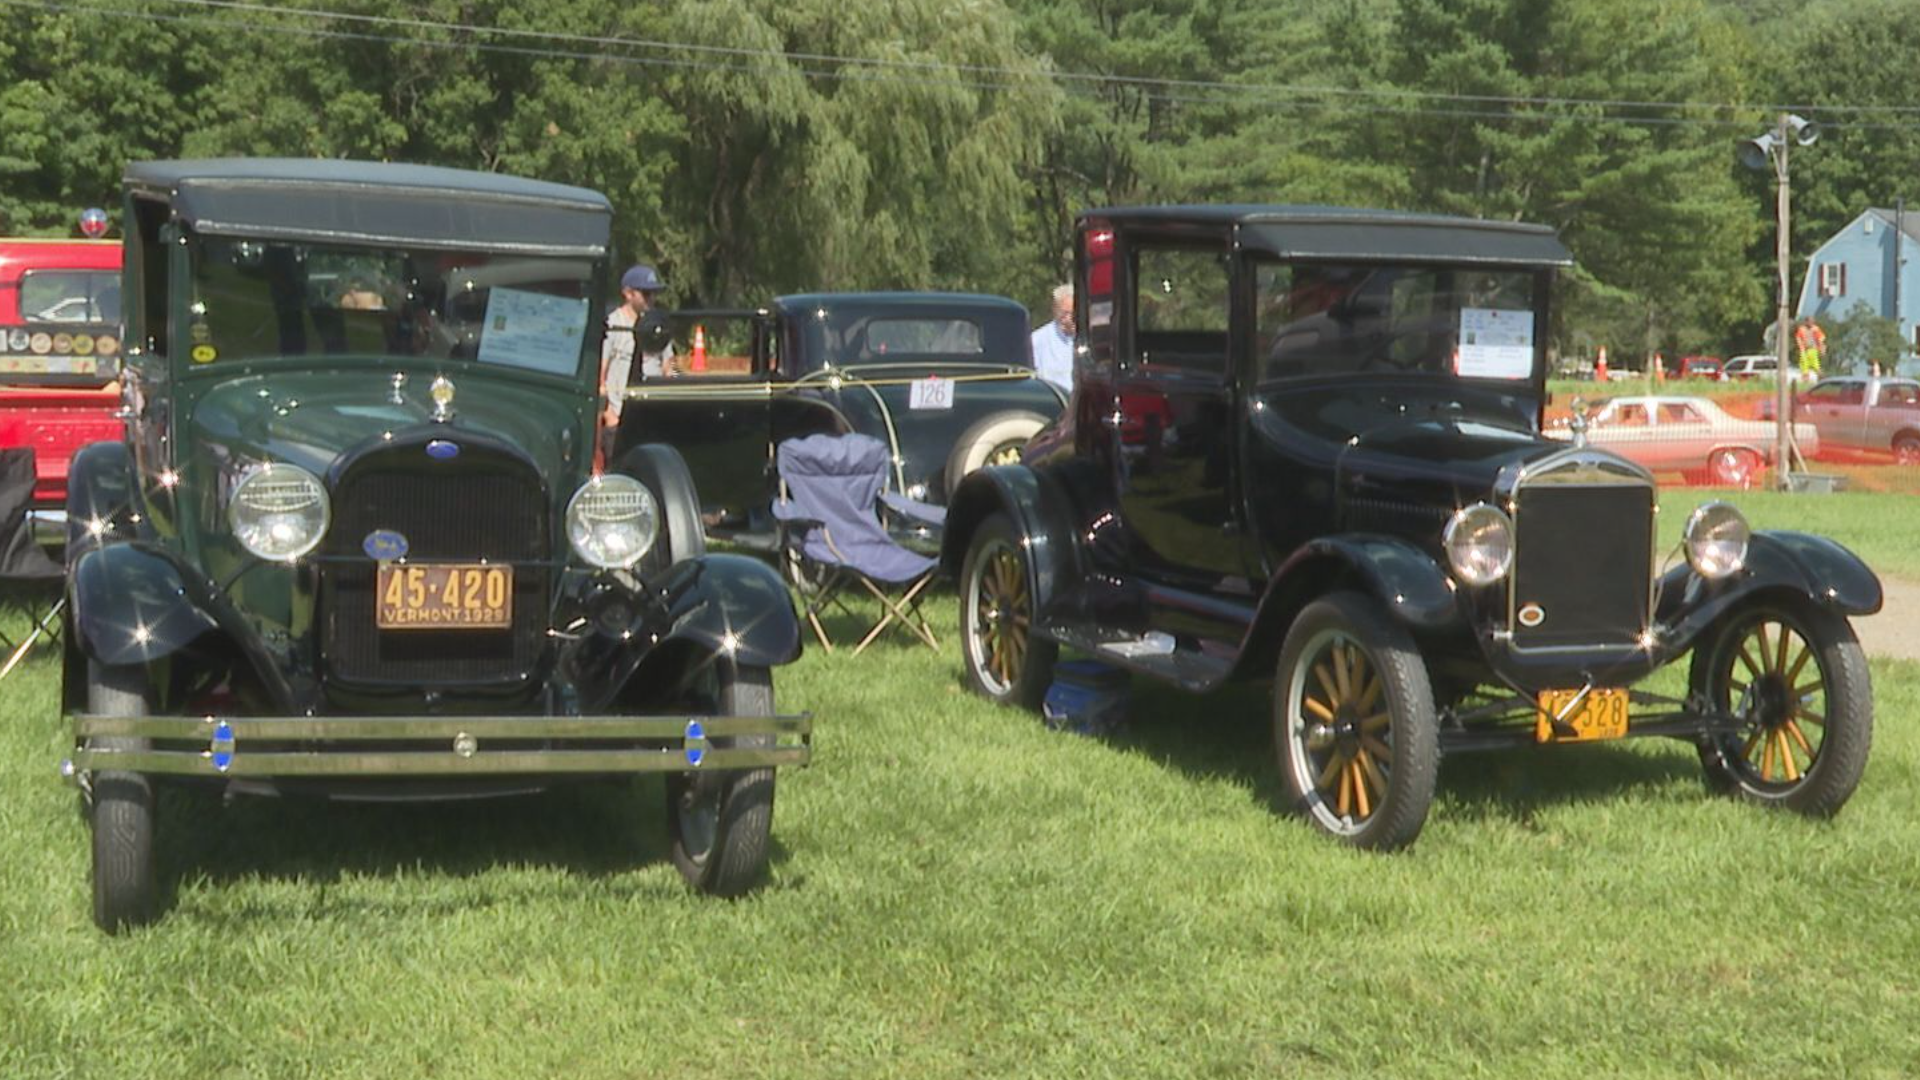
434, 746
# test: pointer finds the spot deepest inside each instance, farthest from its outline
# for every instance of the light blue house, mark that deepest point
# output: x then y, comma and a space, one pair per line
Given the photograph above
1874, 261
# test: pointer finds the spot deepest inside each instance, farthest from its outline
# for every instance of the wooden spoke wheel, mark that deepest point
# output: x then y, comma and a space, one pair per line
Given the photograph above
1006, 661
1796, 684
1355, 724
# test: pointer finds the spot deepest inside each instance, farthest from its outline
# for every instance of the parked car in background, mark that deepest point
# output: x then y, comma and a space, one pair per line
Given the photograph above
945, 379
59, 359
1692, 436
1353, 502
1757, 366
1858, 414
1701, 367
363, 551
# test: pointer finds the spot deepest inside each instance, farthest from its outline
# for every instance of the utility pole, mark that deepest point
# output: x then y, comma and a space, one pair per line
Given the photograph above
1757, 154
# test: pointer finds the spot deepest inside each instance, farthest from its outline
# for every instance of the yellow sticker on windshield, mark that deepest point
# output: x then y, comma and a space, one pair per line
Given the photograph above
204, 354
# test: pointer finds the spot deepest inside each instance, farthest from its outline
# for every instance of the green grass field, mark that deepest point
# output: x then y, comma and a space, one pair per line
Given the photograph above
958, 892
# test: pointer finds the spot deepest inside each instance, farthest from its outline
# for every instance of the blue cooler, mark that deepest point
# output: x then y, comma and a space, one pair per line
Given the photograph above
1087, 698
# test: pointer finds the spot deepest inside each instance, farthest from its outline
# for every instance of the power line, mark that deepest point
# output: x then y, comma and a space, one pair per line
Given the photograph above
981, 69
882, 70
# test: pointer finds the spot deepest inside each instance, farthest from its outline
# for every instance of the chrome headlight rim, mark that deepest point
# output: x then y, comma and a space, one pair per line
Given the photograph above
604, 488
1458, 539
1706, 519
277, 472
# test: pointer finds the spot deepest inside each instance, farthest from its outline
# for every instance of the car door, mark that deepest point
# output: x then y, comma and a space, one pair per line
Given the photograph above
1178, 475
1835, 409
1892, 412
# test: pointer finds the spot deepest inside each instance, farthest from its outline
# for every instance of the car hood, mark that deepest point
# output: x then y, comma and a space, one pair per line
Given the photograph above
314, 419
1409, 477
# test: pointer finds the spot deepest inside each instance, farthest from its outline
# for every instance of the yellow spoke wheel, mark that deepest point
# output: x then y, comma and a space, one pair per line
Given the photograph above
1792, 683
1006, 660
1355, 726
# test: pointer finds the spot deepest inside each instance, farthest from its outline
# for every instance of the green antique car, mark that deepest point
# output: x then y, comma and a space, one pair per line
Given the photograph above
355, 544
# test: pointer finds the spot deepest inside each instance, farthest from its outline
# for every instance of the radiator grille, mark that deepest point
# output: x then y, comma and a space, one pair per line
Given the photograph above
1584, 556
487, 505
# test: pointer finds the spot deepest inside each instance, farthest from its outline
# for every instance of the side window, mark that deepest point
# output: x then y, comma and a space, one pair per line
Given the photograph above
148, 271
1680, 413
1900, 395
1180, 308
1828, 394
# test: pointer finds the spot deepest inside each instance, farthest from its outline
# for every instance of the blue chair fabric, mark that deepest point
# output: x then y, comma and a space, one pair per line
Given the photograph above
830, 523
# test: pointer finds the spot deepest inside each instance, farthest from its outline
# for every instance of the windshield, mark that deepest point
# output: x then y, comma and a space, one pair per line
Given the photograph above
852, 334
257, 299
1320, 319
70, 296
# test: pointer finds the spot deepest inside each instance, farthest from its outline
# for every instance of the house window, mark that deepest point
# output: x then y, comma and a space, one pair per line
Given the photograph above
1833, 279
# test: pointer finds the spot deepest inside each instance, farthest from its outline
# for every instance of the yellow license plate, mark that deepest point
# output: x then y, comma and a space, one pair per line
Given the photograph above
1601, 715
444, 596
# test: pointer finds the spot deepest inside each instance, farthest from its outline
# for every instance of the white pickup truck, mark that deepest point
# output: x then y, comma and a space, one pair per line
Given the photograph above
1860, 414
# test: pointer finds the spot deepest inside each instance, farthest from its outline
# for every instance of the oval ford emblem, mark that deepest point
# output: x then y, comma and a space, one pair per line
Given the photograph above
1532, 615
442, 450
384, 545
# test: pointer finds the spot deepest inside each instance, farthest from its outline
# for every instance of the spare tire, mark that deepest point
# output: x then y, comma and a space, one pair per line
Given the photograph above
994, 440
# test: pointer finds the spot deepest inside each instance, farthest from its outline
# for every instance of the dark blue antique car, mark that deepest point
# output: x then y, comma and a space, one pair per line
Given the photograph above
1305, 446
944, 378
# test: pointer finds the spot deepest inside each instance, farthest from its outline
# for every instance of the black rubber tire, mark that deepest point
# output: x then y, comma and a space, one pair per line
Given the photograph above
124, 892
1845, 693
997, 617
722, 822
1311, 748
988, 438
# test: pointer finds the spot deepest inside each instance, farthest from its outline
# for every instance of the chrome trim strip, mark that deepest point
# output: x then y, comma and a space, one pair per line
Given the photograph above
377, 728
463, 748
433, 763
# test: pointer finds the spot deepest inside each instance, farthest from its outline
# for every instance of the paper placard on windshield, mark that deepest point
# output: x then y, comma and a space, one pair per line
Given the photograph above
533, 330
932, 392
1495, 343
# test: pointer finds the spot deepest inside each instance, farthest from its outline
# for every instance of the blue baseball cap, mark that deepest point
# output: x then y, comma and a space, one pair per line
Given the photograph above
642, 278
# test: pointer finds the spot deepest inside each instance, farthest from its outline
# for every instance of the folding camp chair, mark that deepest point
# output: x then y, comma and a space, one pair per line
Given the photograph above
21, 558
830, 527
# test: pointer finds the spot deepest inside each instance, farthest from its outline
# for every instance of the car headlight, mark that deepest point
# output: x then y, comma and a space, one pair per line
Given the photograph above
612, 521
1716, 539
1479, 543
279, 512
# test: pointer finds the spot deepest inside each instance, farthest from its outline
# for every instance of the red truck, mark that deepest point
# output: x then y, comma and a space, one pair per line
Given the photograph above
59, 359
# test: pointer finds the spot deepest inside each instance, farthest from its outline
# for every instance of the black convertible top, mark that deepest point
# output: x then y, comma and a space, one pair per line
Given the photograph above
1336, 232
360, 201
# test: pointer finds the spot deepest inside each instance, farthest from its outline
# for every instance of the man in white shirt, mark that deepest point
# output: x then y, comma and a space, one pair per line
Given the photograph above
1053, 343
617, 348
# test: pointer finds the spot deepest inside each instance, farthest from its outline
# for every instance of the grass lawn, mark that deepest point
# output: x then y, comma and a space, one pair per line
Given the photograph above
958, 892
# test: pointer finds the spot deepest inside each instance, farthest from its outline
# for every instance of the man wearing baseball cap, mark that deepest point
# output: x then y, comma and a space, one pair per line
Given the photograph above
637, 287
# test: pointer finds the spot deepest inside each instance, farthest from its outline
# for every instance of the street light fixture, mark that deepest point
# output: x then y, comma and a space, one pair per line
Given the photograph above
1757, 153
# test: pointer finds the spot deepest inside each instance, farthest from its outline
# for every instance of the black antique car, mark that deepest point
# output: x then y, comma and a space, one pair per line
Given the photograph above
1346, 489
944, 378
354, 545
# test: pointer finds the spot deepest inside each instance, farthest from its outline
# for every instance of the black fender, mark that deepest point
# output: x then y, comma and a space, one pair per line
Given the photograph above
662, 469
738, 606
100, 497
1039, 509
1411, 586
711, 606
1797, 564
133, 604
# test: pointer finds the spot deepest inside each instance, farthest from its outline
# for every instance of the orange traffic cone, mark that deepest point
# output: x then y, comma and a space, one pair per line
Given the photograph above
1600, 366
699, 349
